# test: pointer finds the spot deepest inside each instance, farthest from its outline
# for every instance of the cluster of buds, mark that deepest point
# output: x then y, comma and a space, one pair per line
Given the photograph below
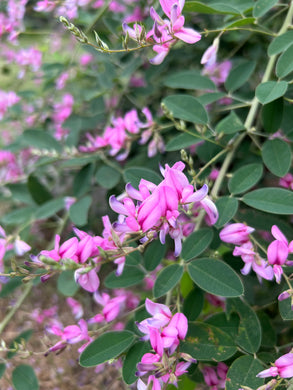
79, 35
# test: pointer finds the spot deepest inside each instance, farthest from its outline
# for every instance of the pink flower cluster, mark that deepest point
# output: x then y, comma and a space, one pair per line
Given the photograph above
159, 208
119, 136
7, 100
215, 376
11, 22
165, 331
283, 367
165, 32
238, 234
61, 111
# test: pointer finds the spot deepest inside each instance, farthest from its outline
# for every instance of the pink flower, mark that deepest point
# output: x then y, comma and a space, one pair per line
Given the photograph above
287, 181
283, 367
279, 249
236, 233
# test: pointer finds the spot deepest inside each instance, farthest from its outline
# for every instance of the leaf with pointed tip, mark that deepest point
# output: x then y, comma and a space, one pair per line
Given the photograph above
167, 279
187, 108
270, 200
270, 90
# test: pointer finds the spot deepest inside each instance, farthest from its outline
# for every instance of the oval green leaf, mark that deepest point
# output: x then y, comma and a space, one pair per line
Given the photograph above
271, 200
280, 43
227, 208
270, 90
130, 277
108, 346
193, 304
189, 79
196, 243
215, 277
239, 75
167, 279
261, 7
197, 6
2, 369
78, 212
286, 309
153, 255
24, 378
41, 139
187, 108
230, 125
50, 208
134, 175
285, 63
276, 155
245, 178
272, 115
133, 357
207, 342
107, 177
66, 284
182, 141
243, 372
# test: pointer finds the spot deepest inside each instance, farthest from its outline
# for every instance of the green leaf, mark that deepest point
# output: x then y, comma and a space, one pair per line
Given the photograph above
78, 212
245, 178
17, 217
220, 320
286, 309
211, 97
133, 357
107, 346
271, 200
280, 43
82, 180
107, 177
227, 208
38, 191
270, 90
133, 258
167, 279
220, 9
241, 22
189, 79
193, 304
2, 369
276, 155
130, 276
134, 175
181, 141
153, 255
215, 277
239, 75
269, 337
66, 284
207, 342
272, 115
20, 192
285, 63
196, 243
25, 335
24, 378
243, 372
249, 333
263, 6
230, 124
187, 108
41, 139
50, 208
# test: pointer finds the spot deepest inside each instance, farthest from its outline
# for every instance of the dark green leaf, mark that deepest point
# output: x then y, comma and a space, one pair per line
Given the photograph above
133, 357
17, 217
280, 43
167, 279
245, 178
197, 6
243, 372
230, 124
107, 177
286, 309
20, 192
134, 175
270, 200
50, 208
187, 108
249, 333
130, 276
220, 320
193, 304
215, 277
211, 97
285, 63
82, 180
239, 75
24, 378
272, 115
263, 6
2, 369
38, 191
196, 243
269, 337
153, 255
41, 139
189, 79
181, 141
66, 284
207, 342
270, 90
133, 258
241, 22
276, 155
78, 212
107, 346
227, 208
25, 335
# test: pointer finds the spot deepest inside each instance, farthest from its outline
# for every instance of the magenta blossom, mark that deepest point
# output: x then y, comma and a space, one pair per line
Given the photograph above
236, 233
283, 367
